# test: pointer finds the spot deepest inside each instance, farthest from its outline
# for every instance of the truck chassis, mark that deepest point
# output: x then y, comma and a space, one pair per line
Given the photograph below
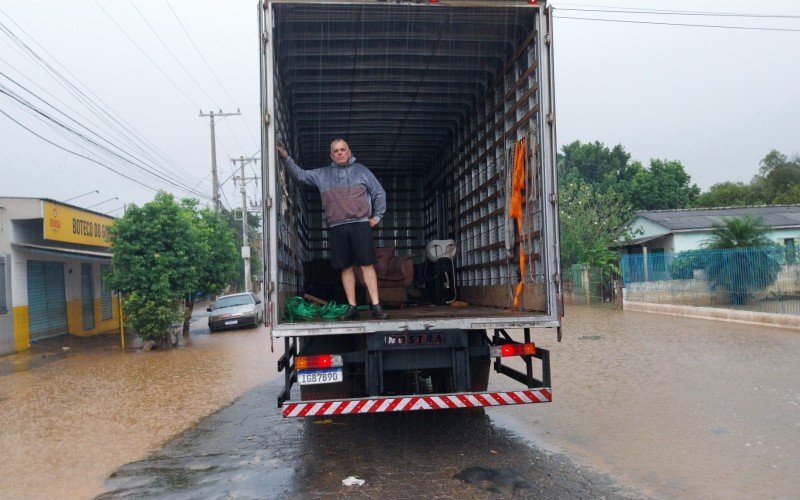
449, 352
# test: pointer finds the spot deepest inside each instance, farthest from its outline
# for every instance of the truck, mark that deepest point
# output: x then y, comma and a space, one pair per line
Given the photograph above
450, 104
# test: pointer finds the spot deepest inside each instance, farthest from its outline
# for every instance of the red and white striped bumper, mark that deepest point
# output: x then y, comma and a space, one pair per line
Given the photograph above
414, 403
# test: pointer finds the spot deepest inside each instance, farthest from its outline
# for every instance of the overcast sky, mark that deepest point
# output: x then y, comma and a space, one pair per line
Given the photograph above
716, 99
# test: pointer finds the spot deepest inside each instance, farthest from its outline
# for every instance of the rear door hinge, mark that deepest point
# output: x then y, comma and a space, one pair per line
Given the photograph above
268, 202
551, 117
266, 119
553, 198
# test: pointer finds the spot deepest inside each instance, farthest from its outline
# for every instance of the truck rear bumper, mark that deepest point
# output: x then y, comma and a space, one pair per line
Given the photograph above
415, 403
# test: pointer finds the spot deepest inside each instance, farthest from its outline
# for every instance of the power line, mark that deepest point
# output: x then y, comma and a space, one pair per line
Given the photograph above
27, 104
210, 69
78, 154
44, 116
98, 110
163, 44
144, 53
640, 10
628, 21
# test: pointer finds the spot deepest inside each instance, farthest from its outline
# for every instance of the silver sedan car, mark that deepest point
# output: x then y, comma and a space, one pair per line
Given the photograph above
231, 311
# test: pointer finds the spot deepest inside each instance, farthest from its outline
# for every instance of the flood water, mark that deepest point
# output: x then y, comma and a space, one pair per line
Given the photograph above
669, 406
673, 406
78, 414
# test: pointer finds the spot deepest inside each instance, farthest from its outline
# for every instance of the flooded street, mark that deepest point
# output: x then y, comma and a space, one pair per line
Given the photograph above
80, 413
644, 405
673, 406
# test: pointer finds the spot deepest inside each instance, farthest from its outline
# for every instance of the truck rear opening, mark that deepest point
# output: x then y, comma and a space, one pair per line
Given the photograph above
440, 100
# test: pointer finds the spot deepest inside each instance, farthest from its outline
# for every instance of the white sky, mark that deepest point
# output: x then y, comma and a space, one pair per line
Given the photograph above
716, 99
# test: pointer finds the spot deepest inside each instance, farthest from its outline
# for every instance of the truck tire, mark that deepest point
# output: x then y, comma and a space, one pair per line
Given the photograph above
330, 345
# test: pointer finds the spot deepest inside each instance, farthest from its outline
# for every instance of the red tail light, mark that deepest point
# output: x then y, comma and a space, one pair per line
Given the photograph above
316, 362
505, 350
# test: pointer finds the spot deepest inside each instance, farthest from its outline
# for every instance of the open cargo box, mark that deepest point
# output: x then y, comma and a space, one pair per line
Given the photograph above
431, 97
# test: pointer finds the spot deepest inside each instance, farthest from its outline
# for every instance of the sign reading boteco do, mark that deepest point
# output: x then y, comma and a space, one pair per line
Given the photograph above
62, 223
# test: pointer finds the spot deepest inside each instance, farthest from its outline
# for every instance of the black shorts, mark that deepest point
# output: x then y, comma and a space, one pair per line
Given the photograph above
351, 244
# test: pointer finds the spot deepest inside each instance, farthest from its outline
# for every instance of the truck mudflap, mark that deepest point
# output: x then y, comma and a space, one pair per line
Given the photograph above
416, 403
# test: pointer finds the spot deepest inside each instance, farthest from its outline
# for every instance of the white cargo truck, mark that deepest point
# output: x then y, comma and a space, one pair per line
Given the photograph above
450, 104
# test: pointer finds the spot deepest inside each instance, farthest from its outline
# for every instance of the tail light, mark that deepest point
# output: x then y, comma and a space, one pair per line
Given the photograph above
498, 351
316, 362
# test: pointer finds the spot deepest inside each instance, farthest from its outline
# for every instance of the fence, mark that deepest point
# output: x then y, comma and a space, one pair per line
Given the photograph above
593, 286
765, 279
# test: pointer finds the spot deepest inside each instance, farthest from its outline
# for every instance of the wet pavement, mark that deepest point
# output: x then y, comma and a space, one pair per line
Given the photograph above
644, 405
72, 416
674, 407
248, 450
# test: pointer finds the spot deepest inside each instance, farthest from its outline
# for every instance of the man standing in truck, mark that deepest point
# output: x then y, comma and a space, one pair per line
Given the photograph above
354, 202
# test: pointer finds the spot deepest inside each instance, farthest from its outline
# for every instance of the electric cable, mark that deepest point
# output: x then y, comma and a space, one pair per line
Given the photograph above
78, 154
43, 115
180, 64
210, 69
642, 10
147, 56
657, 23
103, 112
177, 181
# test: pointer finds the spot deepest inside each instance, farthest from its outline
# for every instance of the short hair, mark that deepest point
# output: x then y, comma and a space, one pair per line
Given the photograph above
338, 139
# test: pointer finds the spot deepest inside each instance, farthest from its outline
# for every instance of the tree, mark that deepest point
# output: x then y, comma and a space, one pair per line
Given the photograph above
772, 160
789, 197
746, 260
590, 219
665, 185
153, 264
594, 162
735, 232
730, 194
216, 255
163, 254
777, 182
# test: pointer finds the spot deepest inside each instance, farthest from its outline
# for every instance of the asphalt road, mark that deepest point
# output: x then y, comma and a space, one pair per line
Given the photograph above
247, 450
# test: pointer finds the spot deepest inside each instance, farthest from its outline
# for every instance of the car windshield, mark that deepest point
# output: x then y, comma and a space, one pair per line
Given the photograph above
233, 300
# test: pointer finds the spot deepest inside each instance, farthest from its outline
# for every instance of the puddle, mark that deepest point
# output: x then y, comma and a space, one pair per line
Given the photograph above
505, 481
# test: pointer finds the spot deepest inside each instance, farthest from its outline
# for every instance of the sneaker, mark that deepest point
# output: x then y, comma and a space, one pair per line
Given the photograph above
350, 314
378, 312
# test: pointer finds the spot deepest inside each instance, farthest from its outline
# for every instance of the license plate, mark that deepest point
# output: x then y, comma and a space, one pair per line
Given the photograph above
311, 377
231, 322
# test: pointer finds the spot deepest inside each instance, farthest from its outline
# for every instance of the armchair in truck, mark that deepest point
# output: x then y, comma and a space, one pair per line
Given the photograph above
395, 273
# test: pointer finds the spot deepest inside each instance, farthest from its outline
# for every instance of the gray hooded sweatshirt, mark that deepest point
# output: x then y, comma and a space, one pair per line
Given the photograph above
349, 194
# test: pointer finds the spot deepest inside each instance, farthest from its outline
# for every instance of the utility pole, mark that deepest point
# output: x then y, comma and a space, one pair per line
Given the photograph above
245, 227
214, 177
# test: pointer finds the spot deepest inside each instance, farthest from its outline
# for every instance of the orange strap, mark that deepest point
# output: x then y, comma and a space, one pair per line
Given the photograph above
515, 207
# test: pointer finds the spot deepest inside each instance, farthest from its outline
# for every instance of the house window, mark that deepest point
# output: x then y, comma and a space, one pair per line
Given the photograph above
791, 250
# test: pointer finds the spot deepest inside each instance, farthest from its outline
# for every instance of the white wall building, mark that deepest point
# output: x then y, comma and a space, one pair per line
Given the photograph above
52, 257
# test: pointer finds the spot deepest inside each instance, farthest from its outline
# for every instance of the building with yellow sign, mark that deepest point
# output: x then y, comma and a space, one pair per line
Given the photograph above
52, 260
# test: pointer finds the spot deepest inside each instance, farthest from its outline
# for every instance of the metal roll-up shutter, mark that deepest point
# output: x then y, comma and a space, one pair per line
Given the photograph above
87, 297
105, 296
47, 301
